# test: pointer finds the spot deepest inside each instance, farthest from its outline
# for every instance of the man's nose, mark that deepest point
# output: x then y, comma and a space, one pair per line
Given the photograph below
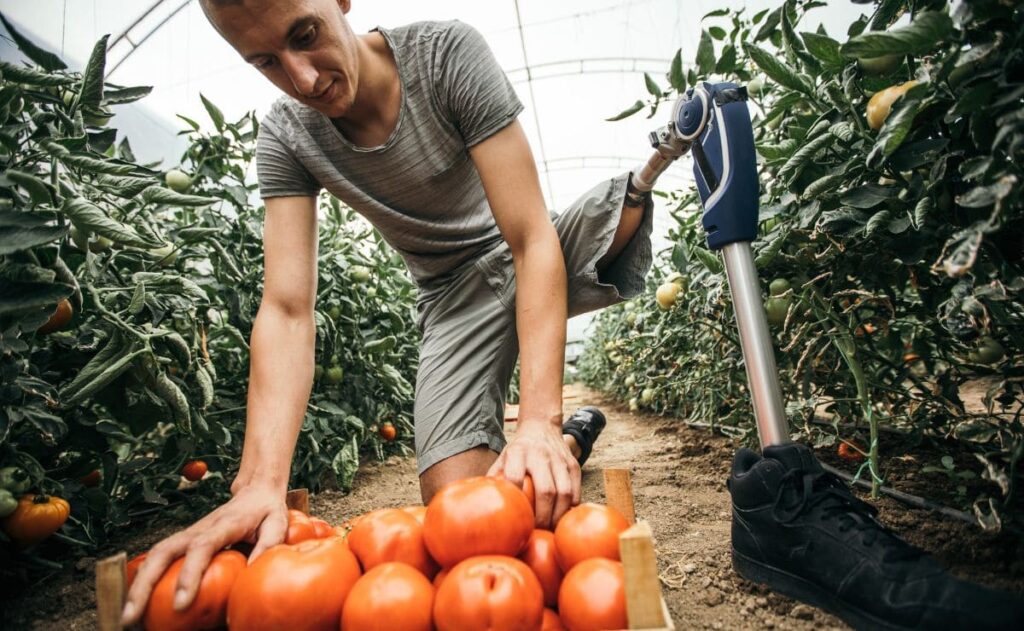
301, 73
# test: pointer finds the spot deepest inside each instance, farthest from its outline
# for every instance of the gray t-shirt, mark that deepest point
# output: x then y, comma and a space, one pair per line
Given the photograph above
420, 189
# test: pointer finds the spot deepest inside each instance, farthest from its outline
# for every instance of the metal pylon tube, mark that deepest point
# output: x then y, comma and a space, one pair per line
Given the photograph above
758, 354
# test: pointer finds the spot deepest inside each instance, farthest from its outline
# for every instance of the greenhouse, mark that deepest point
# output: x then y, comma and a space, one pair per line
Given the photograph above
321, 314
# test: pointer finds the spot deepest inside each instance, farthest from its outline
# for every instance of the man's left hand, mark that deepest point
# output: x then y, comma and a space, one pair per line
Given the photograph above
539, 451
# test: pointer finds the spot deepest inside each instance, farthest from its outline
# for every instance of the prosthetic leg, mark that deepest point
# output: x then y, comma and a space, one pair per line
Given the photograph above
796, 528
712, 121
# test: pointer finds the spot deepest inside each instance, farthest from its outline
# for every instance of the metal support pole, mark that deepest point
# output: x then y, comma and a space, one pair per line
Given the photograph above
758, 354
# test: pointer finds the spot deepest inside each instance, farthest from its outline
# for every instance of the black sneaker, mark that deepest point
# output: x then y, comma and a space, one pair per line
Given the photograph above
801, 532
585, 426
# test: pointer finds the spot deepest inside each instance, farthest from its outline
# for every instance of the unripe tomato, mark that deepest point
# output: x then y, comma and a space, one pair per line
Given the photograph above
194, 470
666, 295
165, 255
8, 503
629, 381
634, 404
776, 310
177, 180
755, 86
647, 396
335, 374
477, 516
294, 588
879, 65
15, 480
588, 531
209, 609
593, 596
497, 593
390, 596
360, 273
35, 519
778, 287
58, 319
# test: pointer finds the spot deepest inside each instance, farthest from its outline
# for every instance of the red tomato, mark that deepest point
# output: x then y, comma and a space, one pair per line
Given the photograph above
851, 452
539, 554
390, 596
551, 621
300, 528
133, 567
477, 516
496, 593
208, 610
419, 512
390, 534
588, 531
593, 596
91, 479
194, 470
321, 528
294, 588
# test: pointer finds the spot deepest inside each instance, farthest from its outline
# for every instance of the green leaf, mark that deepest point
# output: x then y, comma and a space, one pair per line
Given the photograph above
887, 13
46, 60
629, 111
96, 165
727, 61
215, 114
879, 219
13, 239
161, 195
92, 79
823, 48
118, 96
984, 196
709, 259
867, 196
676, 78
717, 32
770, 25
918, 38
796, 163
18, 296
31, 76
776, 70
652, 86
843, 221
717, 13
37, 188
88, 216
123, 185
924, 207
705, 54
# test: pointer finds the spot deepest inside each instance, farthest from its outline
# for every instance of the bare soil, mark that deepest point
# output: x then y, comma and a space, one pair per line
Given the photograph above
678, 478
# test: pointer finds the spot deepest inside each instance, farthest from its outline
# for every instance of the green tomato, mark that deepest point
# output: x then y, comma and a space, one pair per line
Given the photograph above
776, 310
630, 381
99, 120
14, 480
8, 503
318, 372
880, 65
101, 244
634, 404
647, 396
989, 351
755, 86
17, 105
177, 180
80, 238
778, 287
334, 312
371, 292
360, 273
166, 255
335, 374
631, 318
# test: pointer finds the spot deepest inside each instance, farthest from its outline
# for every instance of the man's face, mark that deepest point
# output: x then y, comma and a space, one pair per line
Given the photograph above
305, 47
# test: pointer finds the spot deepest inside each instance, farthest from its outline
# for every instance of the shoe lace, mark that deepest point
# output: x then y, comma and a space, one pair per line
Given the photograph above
818, 488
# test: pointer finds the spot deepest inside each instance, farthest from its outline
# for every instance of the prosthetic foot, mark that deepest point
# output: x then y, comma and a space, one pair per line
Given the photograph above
796, 528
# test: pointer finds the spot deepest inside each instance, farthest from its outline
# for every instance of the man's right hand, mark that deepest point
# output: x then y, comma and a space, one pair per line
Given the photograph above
256, 514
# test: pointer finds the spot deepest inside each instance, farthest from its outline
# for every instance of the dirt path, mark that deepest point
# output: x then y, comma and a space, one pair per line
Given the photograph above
679, 482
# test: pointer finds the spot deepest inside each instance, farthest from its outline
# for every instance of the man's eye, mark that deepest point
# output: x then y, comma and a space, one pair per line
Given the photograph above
264, 64
307, 36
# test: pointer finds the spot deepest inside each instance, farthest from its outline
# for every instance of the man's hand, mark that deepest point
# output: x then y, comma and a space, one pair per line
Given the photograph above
256, 514
538, 450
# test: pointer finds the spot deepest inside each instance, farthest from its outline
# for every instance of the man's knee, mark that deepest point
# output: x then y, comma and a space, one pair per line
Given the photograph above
467, 464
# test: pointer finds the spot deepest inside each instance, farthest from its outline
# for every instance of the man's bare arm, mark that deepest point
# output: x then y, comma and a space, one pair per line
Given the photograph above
280, 379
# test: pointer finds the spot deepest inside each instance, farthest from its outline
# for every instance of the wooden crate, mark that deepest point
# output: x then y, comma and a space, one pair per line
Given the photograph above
645, 606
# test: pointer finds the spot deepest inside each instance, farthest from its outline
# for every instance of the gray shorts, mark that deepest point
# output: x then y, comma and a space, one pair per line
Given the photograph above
470, 345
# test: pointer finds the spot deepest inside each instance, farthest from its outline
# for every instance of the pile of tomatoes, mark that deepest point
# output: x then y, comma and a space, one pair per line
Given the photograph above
470, 560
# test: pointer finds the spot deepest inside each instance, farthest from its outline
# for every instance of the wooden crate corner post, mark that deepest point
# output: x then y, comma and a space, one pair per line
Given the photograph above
111, 590
645, 607
298, 499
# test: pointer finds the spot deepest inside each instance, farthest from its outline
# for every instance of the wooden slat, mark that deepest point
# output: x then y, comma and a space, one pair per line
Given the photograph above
110, 591
644, 605
298, 499
618, 492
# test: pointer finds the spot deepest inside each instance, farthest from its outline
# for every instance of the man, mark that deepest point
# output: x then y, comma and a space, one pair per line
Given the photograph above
416, 129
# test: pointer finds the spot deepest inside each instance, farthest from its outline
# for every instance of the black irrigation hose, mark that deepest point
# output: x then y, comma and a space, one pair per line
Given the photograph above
918, 502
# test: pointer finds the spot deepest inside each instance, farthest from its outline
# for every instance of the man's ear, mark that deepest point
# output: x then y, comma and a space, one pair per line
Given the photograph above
345, 5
